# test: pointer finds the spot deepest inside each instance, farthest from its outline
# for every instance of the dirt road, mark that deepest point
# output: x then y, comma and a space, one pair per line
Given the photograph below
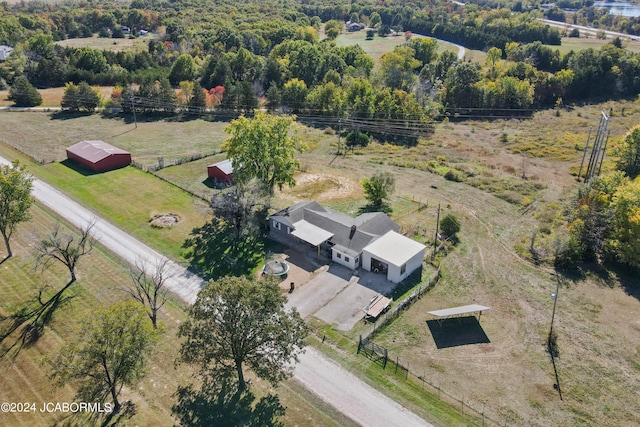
330, 382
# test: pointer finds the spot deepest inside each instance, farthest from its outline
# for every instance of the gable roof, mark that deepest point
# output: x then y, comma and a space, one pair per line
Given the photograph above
350, 235
225, 166
94, 151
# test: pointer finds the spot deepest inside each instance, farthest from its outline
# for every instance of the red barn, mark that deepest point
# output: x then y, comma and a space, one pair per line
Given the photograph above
221, 171
98, 155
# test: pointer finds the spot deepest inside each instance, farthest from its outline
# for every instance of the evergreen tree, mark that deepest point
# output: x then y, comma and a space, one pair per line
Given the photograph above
23, 94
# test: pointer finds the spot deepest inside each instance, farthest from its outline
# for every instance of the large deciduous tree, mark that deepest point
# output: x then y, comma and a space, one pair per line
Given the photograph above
236, 323
15, 200
629, 152
80, 98
263, 148
111, 353
625, 242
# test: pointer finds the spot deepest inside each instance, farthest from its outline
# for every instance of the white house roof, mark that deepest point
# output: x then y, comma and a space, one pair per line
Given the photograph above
394, 248
310, 233
225, 166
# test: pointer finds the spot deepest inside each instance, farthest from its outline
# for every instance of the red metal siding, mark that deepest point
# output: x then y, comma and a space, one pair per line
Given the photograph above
113, 161
216, 174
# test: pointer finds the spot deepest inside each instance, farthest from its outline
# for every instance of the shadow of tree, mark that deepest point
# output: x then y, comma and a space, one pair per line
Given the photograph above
215, 251
384, 207
219, 403
30, 320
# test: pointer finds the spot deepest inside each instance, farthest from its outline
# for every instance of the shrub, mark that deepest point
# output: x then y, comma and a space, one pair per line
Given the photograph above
452, 175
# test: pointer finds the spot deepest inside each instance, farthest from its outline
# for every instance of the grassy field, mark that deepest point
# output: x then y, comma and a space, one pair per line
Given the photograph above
381, 45
45, 136
115, 45
576, 44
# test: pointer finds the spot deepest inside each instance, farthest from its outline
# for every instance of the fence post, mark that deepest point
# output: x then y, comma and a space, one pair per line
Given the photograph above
384, 364
396, 371
359, 344
462, 402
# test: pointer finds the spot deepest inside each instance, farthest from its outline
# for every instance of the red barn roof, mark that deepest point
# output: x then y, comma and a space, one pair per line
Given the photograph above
98, 155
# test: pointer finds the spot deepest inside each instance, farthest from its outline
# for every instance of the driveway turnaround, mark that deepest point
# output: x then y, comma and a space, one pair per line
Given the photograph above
339, 388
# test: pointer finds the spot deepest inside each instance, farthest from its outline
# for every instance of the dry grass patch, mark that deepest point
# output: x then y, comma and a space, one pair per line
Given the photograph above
111, 44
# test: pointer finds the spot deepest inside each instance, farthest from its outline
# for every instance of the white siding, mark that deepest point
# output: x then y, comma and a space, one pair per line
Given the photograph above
393, 272
341, 258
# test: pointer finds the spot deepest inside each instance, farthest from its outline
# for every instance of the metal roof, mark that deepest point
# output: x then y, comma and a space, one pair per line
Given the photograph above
368, 226
395, 248
310, 233
94, 151
225, 166
464, 309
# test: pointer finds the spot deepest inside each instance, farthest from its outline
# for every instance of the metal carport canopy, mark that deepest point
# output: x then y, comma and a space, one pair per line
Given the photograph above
459, 310
310, 233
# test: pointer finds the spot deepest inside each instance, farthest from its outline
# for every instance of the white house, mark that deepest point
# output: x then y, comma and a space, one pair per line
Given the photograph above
370, 241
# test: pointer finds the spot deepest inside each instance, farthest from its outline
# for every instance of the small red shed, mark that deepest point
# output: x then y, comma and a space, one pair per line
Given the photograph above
221, 171
98, 155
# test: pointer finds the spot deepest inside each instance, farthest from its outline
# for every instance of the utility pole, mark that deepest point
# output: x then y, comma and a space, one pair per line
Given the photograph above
597, 152
133, 108
435, 239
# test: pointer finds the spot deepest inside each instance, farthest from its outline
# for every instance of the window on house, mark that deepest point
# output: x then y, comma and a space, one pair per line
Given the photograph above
346, 259
276, 225
288, 230
338, 254
356, 260
403, 268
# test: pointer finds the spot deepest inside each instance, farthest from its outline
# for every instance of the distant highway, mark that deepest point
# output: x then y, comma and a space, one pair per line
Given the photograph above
587, 30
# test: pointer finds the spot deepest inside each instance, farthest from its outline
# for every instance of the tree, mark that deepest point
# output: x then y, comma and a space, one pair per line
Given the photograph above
23, 94
332, 29
629, 152
449, 225
379, 187
397, 68
625, 242
15, 200
89, 59
111, 354
67, 249
80, 98
198, 100
235, 322
184, 69
294, 94
243, 209
262, 148
148, 287
374, 19
493, 56
357, 138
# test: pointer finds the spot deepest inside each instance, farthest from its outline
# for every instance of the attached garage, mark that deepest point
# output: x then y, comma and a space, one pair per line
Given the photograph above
221, 171
98, 156
393, 254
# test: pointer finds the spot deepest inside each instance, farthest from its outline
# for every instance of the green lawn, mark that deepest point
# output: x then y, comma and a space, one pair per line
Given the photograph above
146, 196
